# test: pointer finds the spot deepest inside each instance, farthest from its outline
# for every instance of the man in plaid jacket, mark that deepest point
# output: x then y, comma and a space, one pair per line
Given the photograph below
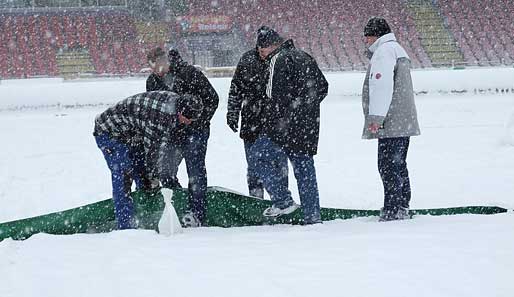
130, 134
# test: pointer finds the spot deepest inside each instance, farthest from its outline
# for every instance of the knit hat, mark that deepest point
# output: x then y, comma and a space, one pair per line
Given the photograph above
267, 37
376, 27
174, 56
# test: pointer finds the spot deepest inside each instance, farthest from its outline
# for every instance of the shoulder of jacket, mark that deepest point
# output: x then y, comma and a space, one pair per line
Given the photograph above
251, 54
151, 77
387, 50
389, 46
299, 57
248, 59
303, 54
186, 72
188, 69
287, 55
393, 46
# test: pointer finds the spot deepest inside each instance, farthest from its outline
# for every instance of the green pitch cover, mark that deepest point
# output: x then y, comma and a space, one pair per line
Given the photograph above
225, 208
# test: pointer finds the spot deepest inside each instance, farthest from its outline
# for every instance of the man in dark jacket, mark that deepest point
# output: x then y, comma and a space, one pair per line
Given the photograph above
247, 91
170, 72
291, 112
130, 134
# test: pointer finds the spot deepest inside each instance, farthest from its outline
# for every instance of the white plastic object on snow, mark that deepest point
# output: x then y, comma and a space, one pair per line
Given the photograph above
169, 223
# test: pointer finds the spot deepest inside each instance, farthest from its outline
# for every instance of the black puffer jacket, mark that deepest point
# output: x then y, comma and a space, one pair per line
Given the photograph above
183, 78
295, 89
247, 92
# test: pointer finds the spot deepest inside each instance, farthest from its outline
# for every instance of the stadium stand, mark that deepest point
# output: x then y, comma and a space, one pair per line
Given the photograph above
330, 30
447, 32
103, 41
32, 42
483, 29
436, 40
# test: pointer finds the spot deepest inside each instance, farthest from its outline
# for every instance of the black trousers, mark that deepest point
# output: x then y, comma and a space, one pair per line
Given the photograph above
392, 166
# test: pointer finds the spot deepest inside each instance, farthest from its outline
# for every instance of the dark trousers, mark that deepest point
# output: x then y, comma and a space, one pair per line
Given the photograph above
392, 166
170, 159
193, 150
255, 186
126, 165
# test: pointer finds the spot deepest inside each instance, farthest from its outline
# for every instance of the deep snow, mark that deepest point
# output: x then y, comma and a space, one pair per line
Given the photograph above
463, 157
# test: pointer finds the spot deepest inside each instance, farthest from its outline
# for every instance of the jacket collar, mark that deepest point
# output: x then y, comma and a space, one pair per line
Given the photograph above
386, 38
175, 66
285, 45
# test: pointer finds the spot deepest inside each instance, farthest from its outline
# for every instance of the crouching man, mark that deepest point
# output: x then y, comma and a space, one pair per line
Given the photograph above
130, 134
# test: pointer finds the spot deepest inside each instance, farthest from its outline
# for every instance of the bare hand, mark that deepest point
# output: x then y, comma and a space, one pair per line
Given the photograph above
183, 120
373, 128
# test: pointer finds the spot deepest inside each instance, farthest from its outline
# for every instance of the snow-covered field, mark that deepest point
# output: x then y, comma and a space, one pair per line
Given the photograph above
465, 156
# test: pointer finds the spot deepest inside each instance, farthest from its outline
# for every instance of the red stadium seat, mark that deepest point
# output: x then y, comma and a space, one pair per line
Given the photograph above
480, 40
329, 30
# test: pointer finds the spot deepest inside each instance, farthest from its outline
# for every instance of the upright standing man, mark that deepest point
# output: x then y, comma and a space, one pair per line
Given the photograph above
246, 96
390, 114
291, 116
191, 137
162, 80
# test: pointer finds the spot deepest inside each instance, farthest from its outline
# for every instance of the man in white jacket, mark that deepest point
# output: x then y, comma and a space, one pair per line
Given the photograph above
390, 114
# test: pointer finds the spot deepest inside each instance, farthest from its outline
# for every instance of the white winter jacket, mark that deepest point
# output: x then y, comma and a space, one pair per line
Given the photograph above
388, 95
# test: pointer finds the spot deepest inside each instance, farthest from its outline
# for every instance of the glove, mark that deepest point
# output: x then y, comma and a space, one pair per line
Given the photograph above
151, 184
232, 121
154, 183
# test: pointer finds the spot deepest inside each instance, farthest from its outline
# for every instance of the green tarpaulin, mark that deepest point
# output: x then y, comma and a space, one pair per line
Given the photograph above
224, 209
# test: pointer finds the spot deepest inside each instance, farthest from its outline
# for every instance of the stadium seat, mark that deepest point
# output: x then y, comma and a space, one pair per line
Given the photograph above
331, 31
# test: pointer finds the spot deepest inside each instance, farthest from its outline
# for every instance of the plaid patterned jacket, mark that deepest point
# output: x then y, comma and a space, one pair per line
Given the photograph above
145, 119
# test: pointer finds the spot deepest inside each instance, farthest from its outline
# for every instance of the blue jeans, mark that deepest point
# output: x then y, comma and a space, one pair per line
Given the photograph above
305, 174
271, 164
126, 165
193, 150
255, 186
392, 166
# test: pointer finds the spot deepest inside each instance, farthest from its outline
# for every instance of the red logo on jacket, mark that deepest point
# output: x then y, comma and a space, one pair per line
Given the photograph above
378, 76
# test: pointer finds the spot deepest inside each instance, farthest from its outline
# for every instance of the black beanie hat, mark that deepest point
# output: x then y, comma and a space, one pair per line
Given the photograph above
174, 56
267, 37
376, 27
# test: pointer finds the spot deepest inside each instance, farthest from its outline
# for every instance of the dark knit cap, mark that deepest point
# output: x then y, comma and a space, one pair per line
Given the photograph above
267, 37
376, 27
174, 56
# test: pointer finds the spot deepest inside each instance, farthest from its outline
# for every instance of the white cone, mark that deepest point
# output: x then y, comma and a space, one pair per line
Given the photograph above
169, 223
